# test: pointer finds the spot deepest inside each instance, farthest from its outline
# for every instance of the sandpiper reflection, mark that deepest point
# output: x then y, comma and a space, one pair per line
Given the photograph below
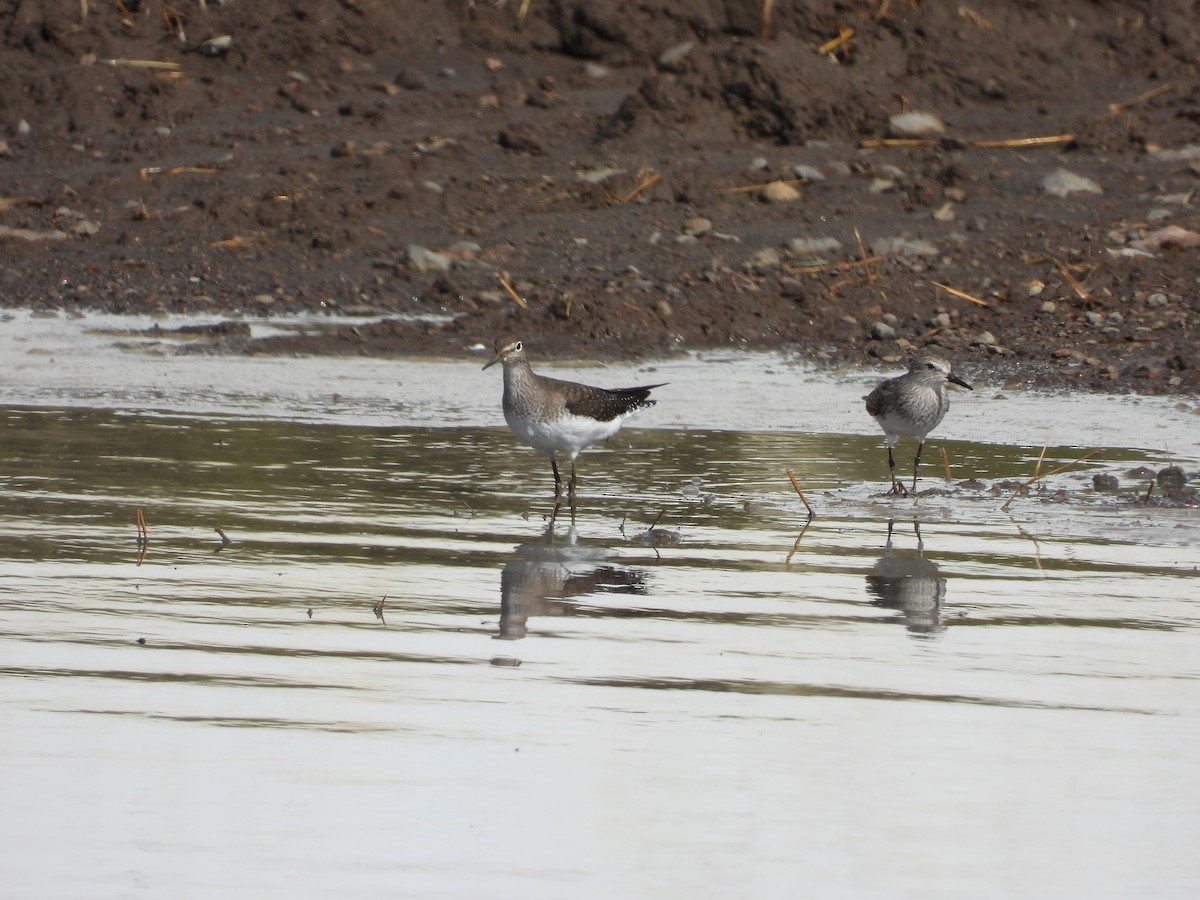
544, 577
910, 583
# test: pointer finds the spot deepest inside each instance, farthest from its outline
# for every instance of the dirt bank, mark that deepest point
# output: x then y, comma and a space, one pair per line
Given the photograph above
607, 162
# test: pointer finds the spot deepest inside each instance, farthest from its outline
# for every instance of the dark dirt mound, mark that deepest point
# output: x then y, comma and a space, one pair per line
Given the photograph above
606, 161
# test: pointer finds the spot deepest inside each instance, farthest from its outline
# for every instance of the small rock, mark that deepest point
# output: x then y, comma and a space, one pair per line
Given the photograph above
697, 226
1172, 237
597, 176
1141, 473
764, 259
1093, 318
1171, 478
780, 192
217, 46
882, 331
520, 139
1061, 183
1104, 482
985, 339
941, 320
813, 246
425, 260
675, 58
882, 185
412, 80
343, 148
915, 124
1048, 306
903, 247
808, 173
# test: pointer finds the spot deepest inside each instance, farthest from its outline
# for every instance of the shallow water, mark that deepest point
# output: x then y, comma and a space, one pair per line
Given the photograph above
737, 703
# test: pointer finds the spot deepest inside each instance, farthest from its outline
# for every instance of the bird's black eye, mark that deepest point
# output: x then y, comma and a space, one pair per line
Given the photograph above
517, 345
930, 366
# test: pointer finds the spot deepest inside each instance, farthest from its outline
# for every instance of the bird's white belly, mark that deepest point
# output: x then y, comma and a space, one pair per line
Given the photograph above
566, 434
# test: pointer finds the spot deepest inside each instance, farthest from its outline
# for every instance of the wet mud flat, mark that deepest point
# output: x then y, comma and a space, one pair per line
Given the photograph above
306, 615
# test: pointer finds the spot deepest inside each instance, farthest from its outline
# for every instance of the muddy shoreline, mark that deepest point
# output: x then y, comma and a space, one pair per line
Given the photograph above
614, 180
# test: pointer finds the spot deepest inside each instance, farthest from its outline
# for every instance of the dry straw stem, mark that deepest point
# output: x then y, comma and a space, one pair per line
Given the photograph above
945, 462
747, 188
1080, 291
1006, 143
153, 171
800, 493
971, 16
767, 8
517, 298
961, 294
844, 35
378, 610
862, 255
239, 241
649, 178
144, 64
7, 203
1114, 108
1018, 143
1039, 477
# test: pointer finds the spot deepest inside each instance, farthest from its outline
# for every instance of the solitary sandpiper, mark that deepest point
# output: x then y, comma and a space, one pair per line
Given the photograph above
912, 406
557, 416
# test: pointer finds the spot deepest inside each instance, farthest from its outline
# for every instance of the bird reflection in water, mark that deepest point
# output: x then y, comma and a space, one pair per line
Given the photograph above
546, 576
909, 583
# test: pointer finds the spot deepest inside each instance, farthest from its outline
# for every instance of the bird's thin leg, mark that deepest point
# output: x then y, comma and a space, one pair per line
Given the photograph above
897, 487
557, 480
917, 462
557, 490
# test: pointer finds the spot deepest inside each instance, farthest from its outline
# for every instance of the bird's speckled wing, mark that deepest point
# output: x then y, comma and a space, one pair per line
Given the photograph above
603, 404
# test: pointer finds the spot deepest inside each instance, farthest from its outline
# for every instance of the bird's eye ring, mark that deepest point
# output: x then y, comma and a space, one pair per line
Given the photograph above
517, 345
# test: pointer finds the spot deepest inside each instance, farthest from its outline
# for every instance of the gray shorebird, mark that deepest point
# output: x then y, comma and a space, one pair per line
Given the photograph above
557, 416
912, 406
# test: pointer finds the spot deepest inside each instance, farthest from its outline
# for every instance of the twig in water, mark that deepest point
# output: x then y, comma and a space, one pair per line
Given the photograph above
1030, 481
225, 541
378, 610
1149, 491
800, 493
945, 462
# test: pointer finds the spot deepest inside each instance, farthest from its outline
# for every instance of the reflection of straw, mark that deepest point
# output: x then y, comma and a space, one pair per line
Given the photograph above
796, 546
1037, 547
143, 536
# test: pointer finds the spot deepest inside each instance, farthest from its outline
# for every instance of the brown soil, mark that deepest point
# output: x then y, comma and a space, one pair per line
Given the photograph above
303, 168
